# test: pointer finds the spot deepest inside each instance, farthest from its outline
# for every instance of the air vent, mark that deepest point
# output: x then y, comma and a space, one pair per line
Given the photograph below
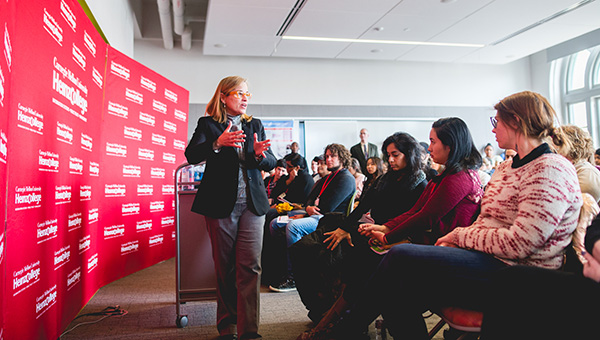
291, 17
545, 20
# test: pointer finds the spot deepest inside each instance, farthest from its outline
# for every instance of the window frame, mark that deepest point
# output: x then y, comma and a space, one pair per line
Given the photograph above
590, 93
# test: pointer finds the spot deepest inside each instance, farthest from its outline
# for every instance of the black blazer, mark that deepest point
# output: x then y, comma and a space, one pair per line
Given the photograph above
357, 152
217, 193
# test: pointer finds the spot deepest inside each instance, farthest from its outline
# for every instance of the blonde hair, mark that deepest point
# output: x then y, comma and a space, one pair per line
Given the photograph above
574, 143
535, 115
215, 107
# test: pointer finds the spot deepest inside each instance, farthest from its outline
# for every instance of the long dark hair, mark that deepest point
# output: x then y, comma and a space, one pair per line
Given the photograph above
371, 178
411, 149
453, 132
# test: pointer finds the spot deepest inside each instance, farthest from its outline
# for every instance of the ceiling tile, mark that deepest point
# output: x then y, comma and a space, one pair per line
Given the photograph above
366, 51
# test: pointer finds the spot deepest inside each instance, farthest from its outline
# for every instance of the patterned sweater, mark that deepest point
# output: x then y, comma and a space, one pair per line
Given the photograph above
528, 212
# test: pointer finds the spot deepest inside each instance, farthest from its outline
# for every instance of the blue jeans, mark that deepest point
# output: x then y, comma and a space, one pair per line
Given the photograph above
413, 278
295, 229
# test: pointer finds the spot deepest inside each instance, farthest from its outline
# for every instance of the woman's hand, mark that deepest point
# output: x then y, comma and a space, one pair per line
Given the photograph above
446, 241
591, 269
261, 147
378, 238
367, 229
312, 210
337, 236
231, 138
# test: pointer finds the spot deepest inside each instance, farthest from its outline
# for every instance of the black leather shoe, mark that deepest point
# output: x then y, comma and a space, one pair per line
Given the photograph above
248, 336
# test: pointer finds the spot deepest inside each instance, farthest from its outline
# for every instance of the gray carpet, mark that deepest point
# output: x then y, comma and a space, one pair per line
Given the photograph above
148, 296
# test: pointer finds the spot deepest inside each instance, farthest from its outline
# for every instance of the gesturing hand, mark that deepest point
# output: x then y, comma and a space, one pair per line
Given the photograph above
261, 147
231, 138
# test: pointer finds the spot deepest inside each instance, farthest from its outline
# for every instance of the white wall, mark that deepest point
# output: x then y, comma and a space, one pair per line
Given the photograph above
291, 81
115, 17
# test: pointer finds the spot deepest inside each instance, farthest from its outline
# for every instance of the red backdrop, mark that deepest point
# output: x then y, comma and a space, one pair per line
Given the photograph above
92, 139
6, 36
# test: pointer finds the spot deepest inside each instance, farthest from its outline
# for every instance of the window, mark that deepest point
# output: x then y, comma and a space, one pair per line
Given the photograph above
578, 114
579, 79
596, 75
576, 74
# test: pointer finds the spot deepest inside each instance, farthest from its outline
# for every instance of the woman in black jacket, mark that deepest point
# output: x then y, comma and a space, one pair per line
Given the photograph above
392, 194
233, 200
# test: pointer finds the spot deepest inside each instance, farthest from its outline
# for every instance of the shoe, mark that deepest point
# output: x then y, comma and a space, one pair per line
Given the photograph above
248, 336
287, 285
228, 337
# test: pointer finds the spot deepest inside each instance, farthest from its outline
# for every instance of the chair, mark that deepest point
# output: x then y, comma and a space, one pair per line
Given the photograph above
466, 324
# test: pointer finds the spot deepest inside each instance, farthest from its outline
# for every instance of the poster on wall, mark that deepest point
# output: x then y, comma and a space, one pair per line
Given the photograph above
280, 134
6, 57
146, 119
54, 115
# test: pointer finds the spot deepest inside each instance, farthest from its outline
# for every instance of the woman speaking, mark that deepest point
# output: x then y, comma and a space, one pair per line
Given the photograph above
233, 200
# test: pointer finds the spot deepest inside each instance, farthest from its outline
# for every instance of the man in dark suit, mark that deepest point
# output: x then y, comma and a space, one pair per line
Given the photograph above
363, 150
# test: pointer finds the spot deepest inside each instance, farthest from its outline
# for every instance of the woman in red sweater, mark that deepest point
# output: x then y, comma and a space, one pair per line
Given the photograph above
450, 199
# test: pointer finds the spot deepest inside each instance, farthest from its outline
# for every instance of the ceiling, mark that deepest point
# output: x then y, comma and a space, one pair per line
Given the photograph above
503, 30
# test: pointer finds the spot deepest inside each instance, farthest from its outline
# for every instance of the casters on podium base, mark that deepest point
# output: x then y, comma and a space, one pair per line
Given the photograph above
182, 321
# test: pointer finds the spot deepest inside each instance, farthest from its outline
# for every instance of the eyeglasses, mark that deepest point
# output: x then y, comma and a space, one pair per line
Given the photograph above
494, 122
240, 94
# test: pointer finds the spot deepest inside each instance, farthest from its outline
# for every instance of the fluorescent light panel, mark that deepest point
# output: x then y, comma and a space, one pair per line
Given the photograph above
372, 41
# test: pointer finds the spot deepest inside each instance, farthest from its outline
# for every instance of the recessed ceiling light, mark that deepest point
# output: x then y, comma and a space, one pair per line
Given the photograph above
220, 45
447, 1
377, 50
407, 29
378, 29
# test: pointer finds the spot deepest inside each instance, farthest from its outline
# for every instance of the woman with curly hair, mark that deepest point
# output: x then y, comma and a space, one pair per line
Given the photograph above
577, 146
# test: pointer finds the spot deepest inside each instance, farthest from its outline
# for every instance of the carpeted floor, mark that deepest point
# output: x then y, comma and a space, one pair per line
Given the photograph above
148, 296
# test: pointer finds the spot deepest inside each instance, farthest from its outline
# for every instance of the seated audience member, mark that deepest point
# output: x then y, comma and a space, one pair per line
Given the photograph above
314, 167
293, 188
296, 185
518, 225
375, 169
484, 177
427, 162
451, 199
577, 146
531, 308
332, 193
597, 157
272, 180
491, 157
322, 171
391, 195
509, 154
359, 178
294, 147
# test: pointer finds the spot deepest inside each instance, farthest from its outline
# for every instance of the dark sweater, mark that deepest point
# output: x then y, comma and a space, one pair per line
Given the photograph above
340, 187
388, 197
297, 191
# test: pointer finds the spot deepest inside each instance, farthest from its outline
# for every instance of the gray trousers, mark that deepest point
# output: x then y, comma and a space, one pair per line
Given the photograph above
236, 247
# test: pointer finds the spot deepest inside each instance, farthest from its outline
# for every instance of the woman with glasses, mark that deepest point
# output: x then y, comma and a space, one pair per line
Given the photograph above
528, 214
233, 200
